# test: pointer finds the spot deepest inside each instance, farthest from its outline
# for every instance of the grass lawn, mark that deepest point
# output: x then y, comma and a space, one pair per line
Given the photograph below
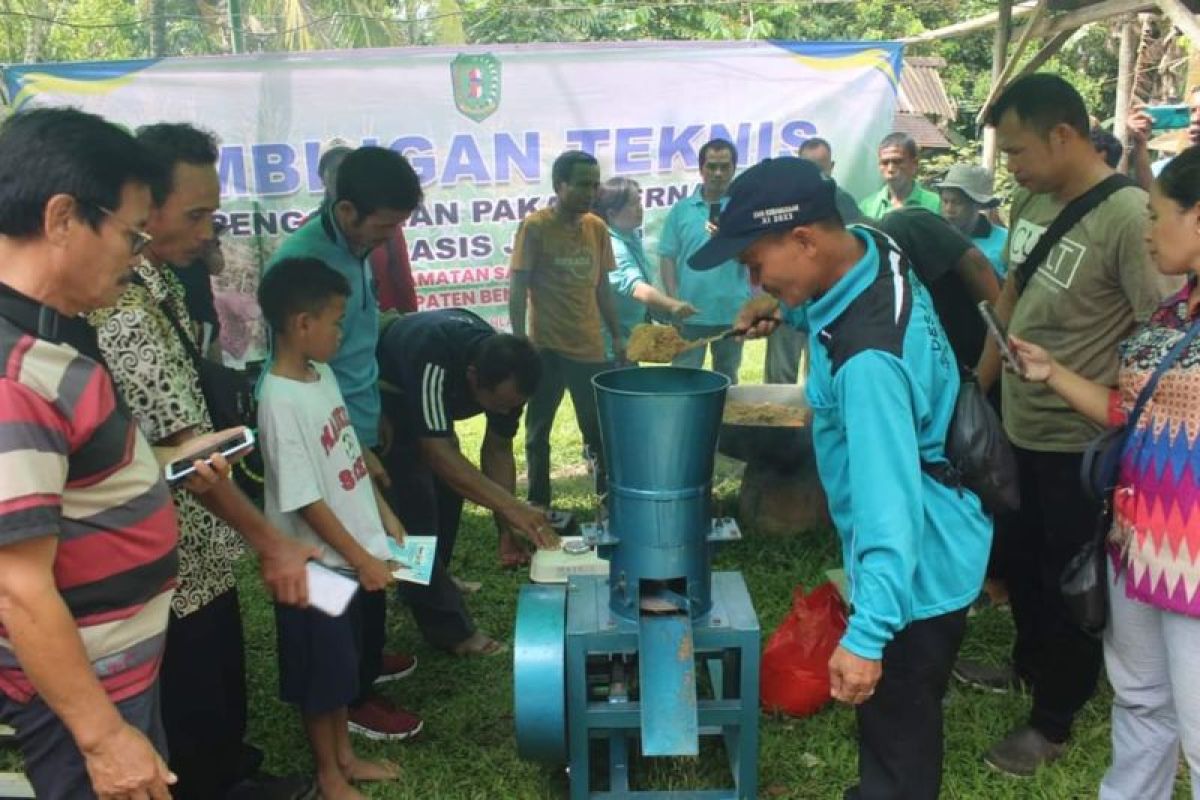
467, 749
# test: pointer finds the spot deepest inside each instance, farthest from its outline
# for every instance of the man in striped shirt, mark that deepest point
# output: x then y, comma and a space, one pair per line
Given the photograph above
438, 367
87, 528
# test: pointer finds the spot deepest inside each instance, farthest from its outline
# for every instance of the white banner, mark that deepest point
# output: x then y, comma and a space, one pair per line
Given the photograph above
482, 127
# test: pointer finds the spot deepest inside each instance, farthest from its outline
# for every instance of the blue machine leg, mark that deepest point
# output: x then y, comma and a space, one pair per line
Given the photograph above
618, 764
667, 673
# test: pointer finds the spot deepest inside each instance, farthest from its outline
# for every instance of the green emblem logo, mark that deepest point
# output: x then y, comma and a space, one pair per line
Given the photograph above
476, 80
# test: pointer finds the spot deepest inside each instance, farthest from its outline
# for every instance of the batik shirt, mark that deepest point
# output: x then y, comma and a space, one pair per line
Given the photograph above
156, 377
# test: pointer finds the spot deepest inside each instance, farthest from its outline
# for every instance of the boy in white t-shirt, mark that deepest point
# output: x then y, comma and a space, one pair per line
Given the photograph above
318, 490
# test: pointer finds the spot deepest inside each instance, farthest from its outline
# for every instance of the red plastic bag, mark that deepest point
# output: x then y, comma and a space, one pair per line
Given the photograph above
795, 665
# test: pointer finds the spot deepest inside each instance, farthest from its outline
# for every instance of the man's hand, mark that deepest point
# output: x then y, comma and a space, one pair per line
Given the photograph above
532, 524
852, 679
618, 346
125, 766
682, 310
283, 565
392, 525
374, 574
376, 469
207, 476
1140, 125
759, 317
386, 434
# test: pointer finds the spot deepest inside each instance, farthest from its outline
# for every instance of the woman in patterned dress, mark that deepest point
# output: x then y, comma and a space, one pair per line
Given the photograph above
1152, 644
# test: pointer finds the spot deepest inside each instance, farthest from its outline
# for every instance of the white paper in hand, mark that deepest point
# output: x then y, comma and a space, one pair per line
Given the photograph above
329, 591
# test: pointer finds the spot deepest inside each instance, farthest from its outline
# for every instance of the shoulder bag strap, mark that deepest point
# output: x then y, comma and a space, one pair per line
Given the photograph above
1074, 211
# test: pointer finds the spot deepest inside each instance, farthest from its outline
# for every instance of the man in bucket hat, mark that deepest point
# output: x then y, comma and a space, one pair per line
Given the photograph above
882, 385
966, 194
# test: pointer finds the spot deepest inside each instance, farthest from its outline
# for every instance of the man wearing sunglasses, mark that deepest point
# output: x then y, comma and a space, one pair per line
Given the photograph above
204, 671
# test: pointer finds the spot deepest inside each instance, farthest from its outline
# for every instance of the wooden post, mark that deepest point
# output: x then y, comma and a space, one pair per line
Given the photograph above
999, 57
1125, 64
1183, 19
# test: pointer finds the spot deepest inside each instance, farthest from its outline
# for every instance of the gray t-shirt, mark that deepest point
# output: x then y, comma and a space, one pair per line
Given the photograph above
1096, 283
312, 453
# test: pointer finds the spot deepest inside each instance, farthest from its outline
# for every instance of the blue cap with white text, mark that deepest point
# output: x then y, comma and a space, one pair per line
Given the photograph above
774, 195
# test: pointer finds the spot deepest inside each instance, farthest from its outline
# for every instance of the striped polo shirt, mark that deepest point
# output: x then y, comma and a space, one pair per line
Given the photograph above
73, 465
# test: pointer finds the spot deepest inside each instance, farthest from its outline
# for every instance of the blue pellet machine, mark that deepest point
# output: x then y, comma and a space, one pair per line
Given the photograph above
663, 651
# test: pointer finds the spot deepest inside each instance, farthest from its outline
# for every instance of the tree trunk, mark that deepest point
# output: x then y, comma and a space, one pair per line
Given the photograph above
158, 28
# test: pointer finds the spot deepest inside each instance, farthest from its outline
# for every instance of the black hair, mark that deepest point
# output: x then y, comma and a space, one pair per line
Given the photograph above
171, 143
1180, 178
614, 196
718, 144
1042, 101
813, 143
505, 356
374, 178
901, 141
1107, 145
564, 165
297, 286
50, 151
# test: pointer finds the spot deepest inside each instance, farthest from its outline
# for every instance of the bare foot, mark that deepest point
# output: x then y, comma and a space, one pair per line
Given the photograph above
335, 786
360, 769
479, 644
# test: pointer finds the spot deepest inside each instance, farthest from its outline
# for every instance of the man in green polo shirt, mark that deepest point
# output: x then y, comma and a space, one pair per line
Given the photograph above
899, 159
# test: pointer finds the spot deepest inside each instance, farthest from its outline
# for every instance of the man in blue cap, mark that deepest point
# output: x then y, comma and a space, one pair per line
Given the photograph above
882, 385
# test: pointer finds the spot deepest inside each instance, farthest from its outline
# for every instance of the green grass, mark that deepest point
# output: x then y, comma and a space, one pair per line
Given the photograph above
467, 749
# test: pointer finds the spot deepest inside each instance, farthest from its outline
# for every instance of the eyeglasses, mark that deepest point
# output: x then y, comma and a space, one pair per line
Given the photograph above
138, 238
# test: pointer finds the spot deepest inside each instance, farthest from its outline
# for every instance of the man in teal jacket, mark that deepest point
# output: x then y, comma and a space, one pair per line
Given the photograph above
882, 385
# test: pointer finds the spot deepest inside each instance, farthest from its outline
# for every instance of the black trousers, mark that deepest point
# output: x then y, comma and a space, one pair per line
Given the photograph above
1059, 660
900, 728
203, 691
428, 506
371, 629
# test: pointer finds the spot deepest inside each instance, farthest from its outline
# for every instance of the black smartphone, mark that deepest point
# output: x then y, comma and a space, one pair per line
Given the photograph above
999, 334
714, 213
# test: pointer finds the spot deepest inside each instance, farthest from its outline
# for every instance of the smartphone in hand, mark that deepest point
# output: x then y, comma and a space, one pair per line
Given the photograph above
239, 442
1000, 334
1168, 118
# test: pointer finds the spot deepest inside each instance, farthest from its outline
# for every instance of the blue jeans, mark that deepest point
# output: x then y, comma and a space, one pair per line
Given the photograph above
726, 354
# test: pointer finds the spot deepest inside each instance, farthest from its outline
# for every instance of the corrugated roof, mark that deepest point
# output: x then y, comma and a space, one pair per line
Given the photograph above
922, 91
925, 133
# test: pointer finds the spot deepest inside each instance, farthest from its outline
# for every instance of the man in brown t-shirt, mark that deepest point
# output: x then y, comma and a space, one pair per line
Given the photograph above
1088, 293
560, 264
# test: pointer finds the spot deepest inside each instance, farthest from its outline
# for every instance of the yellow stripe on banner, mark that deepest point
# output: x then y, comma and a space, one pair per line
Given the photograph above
874, 58
35, 83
